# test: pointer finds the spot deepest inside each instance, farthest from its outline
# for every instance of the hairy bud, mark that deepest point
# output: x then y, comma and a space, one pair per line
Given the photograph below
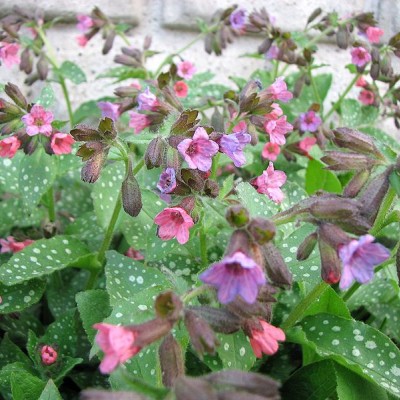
262, 230
306, 247
330, 263
154, 155
16, 95
276, 267
356, 183
169, 306
171, 361
131, 195
237, 216
338, 161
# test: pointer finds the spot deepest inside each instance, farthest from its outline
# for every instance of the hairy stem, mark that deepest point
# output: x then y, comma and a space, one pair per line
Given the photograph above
194, 293
50, 205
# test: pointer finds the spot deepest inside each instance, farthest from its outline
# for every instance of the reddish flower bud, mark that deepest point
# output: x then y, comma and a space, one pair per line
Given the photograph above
48, 354
330, 263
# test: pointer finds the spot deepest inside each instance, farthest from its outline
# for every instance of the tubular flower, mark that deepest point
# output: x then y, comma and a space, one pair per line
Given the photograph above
9, 54
61, 143
9, 146
278, 91
266, 340
269, 183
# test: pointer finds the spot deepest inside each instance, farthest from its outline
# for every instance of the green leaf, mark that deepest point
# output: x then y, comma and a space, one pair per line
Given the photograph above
41, 258
50, 392
46, 97
37, 175
235, 351
10, 352
227, 186
9, 172
72, 72
93, 307
5, 377
357, 346
394, 179
316, 381
106, 192
318, 178
387, 144
20, 296
123, 73
25, 386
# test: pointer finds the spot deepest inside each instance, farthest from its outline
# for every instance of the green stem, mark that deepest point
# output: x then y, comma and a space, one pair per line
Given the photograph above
50, 205
214, 167
383, 211
315, 90
203, 247
337, 104
67, 100
276, 68
319, 37
124, 38
299, 310
194, 293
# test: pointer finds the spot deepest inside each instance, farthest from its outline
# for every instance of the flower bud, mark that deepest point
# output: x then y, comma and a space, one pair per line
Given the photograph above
15, 94
237, 216
131, 195
169, 306
152, 330
127, 60
211, 188
334, 207
126, 91
42, 67
332, 235
202, 337
220, 319
342, 37
306, 247
9, 108
48, 355
155, 153
374, 71
171, 361
265, 45
330, 263
356, 183
239, 241
339, 161
187, 388
276, 267
108, 42
262, 230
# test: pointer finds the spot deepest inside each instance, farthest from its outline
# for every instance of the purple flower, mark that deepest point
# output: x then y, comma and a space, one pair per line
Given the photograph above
233, 145
198, 151
272, 53
359, 257
309, 121
167, 182
235, 275
360, 56
147, 101
109, 110
238, 19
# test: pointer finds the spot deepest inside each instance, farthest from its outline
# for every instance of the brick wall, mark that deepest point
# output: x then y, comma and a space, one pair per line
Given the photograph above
172, 23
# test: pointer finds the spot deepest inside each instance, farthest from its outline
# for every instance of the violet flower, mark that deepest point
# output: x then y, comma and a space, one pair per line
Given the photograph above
167, 182
238, 19
309, 121
232, 145
109, 110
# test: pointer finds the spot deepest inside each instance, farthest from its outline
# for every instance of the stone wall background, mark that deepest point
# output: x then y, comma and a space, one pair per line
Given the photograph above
172, 24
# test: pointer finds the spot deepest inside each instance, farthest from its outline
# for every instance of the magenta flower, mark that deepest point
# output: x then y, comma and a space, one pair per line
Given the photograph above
38, 121
361, 82
359, 257
181, 89
374, 34
48, 354
238, 19
61, 143
271, 151
278, 91
9, 54
9, 146
138, 121
109, 110
235, 275
269, 183
82, 40
366, 97
266, 340
186, 70
360, 56
277, 128
117, 344
232, 145
167, 182
198, 151
174, 222
309, 121
9, 245
84, 22
147, 101
307, 143
134, 254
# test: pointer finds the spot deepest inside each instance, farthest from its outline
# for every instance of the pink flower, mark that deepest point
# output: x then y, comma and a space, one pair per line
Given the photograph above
9, 146
361, 82
147, 101
174, 222
360, 56
136, 84
198, 151
269, 183
309, 121
82, 40
38, 121
366, 97
9, 54
61, 143
109, 110
117, 344
10, 245
307, 143
278, 91
134, 254
374, 34
235, 275
138, 121
359, 258
186, 70
266, 340
276, 127
271, 151
48, 354
181, 89
84, 22
241, 126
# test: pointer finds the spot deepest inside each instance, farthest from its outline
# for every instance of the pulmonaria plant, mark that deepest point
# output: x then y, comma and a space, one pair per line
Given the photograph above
215, 224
